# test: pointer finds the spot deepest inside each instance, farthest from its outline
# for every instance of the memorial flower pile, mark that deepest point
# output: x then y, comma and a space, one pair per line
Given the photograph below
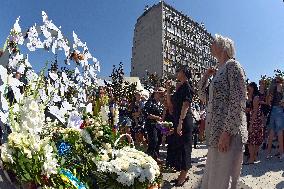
52, 137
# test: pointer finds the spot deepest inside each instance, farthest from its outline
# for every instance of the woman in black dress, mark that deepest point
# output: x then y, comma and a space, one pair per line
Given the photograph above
183, 122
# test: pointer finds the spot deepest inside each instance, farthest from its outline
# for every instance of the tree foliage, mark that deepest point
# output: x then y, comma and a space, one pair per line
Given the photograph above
119, 87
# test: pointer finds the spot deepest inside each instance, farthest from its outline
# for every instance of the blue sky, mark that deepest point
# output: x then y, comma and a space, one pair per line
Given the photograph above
256, 26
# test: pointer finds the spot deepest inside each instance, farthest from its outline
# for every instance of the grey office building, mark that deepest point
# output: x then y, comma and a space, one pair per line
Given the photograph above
165, 38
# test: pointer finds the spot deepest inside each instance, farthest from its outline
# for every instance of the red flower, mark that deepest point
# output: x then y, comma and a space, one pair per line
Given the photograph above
83, 125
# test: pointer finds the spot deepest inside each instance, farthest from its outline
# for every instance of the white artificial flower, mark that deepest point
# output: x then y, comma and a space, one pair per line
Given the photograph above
17, 93
74, 100
92, 72
34, 41
17, 27
56, 98
16, 108
18, 36
31, 75
4, 116
27, 63
89, 108
62, 44
3, 102
48, 23
58, 113
50, 165
77, 41
53, 76
14, 82
14, 61
43, 95
96, 64
45, 32
66, 105
76, 71
28, 152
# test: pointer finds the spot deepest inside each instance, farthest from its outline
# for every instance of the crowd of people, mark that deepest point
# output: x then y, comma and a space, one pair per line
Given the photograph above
236, 117
265, 118
141, 116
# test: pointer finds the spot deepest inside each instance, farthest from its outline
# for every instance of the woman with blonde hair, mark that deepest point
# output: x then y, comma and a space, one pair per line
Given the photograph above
226, 127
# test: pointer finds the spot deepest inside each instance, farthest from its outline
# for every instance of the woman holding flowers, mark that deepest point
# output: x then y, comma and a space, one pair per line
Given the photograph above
153, 112
180, 102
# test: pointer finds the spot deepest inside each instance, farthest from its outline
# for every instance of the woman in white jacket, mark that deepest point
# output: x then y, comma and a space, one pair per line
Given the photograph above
226, 127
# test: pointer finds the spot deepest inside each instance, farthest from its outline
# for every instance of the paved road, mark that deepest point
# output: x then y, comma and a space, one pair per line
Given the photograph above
195, 173
265, 174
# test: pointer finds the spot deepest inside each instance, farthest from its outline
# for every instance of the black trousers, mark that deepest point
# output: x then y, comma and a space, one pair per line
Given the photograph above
154, 140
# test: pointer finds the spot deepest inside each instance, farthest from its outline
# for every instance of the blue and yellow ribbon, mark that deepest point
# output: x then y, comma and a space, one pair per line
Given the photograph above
66, 175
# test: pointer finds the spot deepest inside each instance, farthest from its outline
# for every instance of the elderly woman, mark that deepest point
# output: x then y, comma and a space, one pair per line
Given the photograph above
226, 127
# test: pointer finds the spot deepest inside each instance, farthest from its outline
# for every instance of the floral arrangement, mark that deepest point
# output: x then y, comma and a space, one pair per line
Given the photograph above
165, 127
55, 140
128, 168
30, 158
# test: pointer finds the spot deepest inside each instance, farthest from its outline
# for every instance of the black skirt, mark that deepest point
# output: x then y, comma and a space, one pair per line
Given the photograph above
180, 147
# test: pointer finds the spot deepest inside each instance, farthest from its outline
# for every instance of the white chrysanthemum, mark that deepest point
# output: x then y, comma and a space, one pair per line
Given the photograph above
129, 164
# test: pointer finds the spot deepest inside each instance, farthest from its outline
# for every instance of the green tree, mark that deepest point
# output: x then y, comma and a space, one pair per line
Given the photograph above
119, 87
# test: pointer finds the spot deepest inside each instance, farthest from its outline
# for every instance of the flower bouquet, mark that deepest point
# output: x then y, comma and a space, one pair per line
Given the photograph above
32, 160
126, 168
165, 127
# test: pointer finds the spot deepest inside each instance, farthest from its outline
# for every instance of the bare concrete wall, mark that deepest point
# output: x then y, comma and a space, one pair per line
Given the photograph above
147, 44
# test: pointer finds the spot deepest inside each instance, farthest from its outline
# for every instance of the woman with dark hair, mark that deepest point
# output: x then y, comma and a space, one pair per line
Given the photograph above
183, 122
255, 128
